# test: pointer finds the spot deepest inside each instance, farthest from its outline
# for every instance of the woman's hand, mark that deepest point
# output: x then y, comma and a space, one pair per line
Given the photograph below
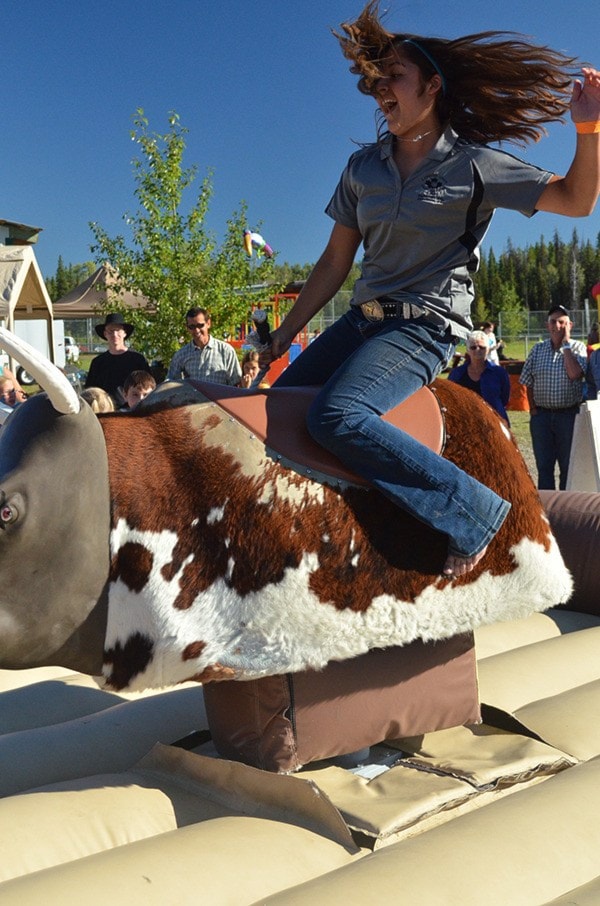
280, 344
324, 281
576, 194
585, 100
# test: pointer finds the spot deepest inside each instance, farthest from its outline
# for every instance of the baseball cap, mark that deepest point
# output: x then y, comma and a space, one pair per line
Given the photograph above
559, 309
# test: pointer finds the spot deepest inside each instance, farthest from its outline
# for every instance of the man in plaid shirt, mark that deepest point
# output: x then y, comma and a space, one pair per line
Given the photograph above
554, 374
204, 358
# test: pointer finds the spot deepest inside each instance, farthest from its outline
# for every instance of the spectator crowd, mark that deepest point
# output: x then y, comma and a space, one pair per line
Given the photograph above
558, 374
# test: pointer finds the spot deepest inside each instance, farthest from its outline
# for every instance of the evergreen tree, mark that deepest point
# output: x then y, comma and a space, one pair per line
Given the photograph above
514, 315
67, 278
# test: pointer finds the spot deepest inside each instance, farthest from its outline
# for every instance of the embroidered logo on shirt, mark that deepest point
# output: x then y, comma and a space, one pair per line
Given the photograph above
433, 190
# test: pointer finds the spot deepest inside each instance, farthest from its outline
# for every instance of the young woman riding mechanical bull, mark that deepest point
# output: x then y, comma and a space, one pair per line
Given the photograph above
420, 199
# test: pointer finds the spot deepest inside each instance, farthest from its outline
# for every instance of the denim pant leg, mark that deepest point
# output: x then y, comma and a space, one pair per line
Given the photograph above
564, 426
396, 359
544, 448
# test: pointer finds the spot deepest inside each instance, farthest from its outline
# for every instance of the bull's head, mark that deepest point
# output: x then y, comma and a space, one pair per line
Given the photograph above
54, 525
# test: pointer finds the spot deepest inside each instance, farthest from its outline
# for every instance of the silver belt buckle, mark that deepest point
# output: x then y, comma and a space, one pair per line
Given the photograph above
372, 310
412, 311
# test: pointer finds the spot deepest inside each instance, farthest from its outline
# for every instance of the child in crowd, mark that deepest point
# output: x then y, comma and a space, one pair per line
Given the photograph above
136, 387
98, 399
250, 369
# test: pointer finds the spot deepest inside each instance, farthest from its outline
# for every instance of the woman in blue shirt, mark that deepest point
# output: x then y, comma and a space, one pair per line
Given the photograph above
490, 381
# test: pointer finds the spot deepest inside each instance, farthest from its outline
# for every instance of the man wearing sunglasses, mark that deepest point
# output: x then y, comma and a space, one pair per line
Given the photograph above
204, 358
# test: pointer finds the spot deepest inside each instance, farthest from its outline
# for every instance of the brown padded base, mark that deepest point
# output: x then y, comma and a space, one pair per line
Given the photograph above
575, 521
280, 723
277, 416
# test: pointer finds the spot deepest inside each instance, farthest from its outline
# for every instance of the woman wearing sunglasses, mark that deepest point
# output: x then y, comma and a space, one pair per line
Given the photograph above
490, 381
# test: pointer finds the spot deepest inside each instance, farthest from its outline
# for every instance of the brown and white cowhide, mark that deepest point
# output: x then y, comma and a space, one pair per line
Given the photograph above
228, 565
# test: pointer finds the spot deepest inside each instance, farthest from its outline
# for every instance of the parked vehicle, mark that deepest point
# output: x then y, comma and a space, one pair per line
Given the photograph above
72, 350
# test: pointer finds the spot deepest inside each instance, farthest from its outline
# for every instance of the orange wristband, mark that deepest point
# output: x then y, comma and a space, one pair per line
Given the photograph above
587, 128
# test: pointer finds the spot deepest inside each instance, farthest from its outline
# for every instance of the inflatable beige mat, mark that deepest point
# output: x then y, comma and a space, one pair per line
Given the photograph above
498, 637
399, 791
528, 848
45, 696
586, 895
52, 700
175, 828
13, 679
17, 679
434, 778
112, 739
551, 688
122, 823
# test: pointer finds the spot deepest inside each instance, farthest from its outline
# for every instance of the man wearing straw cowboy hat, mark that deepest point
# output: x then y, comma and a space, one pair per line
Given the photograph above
109, 369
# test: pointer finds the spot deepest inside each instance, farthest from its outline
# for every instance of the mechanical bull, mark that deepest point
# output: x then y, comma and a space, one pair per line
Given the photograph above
203, 537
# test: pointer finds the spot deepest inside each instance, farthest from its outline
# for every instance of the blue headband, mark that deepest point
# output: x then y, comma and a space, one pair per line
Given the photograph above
428, 56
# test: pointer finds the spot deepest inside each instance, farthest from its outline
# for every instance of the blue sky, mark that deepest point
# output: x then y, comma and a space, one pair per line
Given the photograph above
262, 88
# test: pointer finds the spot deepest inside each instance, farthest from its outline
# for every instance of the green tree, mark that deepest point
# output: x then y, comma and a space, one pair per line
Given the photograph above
67, 277
234, 283
513, 315
479, 312
291, 273
172, 260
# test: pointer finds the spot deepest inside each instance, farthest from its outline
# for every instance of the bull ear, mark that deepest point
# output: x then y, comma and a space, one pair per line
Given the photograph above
50, 378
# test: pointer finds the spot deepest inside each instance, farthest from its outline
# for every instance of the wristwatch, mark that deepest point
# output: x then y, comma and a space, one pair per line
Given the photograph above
566, 346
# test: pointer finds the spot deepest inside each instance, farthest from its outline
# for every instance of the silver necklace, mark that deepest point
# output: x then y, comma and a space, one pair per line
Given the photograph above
417, 138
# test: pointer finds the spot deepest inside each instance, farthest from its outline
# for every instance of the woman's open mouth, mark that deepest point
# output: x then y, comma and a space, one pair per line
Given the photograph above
388, 106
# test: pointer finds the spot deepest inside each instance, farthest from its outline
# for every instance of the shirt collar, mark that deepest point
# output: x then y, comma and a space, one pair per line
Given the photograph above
440, 150
209, 345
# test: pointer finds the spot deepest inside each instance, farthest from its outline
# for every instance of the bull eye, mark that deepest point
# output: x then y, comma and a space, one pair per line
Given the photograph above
8, 514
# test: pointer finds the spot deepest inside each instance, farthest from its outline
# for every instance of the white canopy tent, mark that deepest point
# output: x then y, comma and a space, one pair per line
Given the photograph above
23, 293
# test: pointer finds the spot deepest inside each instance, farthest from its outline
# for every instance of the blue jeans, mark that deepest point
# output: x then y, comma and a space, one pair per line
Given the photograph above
551, 438
366, 369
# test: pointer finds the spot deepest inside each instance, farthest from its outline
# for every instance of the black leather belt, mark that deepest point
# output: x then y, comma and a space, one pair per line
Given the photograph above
383, 309
562, 409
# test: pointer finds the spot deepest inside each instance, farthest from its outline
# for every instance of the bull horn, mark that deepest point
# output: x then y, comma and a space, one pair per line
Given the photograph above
60, 393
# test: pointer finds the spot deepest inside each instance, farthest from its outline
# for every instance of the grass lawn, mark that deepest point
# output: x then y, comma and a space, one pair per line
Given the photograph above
519, 423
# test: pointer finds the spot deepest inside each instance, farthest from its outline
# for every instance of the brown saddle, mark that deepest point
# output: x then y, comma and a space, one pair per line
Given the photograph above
277, 416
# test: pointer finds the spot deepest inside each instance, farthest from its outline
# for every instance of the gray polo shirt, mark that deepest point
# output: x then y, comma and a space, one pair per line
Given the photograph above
421, 237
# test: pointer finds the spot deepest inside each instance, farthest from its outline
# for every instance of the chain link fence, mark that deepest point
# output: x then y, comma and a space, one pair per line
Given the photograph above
331, 312
528, 326
521, 324
531, 326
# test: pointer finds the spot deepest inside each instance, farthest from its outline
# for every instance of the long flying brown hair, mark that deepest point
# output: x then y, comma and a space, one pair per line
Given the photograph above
497, 86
